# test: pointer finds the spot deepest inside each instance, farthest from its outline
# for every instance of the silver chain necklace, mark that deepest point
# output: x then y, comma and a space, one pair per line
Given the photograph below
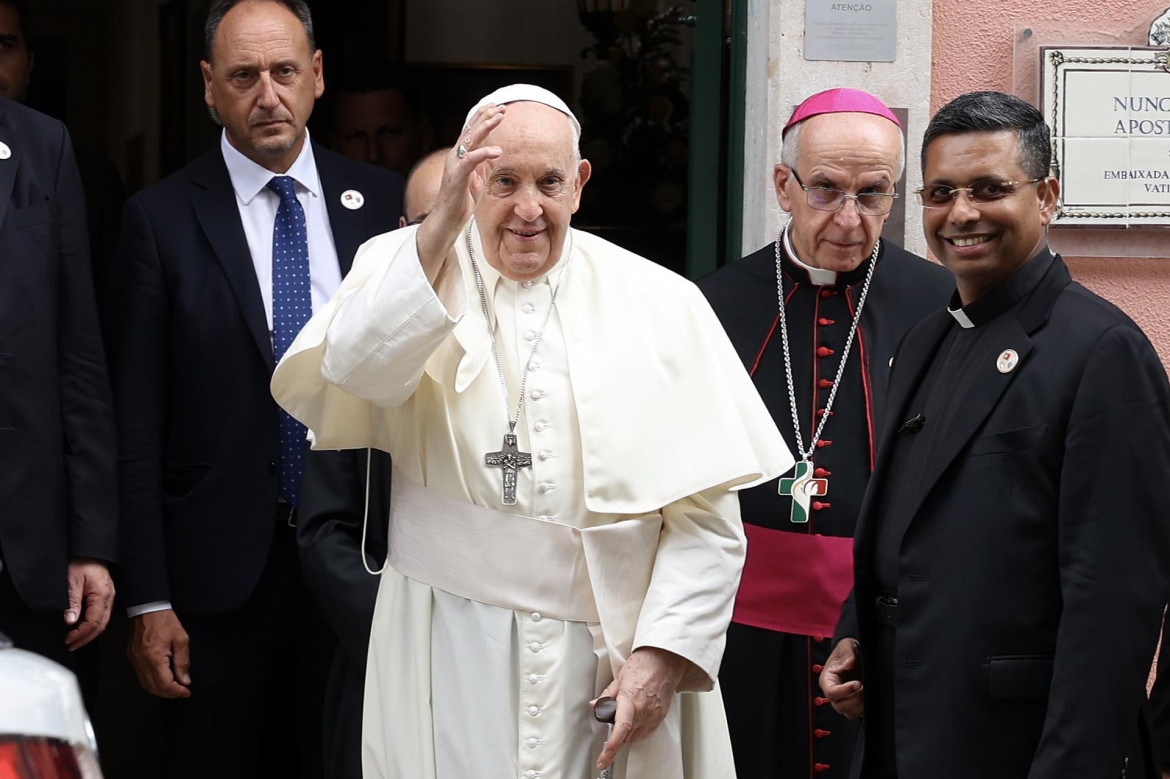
509, 458
802, 485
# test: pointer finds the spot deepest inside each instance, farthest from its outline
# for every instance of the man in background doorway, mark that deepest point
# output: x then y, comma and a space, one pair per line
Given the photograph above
378, 117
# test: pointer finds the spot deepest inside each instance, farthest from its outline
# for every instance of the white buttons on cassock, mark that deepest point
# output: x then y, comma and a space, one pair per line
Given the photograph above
544, 454
538, 394
541, 426
528, 308
531, 774
532, 743
547, 486
533, 678
535, 646
536, 616
533, 710
530, 335
527, 284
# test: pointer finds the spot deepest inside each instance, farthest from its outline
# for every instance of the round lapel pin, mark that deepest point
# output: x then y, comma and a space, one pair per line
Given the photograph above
352, 199
5, 151
1007, 361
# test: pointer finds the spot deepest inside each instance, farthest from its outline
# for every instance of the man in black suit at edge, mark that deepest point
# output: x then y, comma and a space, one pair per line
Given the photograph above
217, 268
1011, 553
58, 504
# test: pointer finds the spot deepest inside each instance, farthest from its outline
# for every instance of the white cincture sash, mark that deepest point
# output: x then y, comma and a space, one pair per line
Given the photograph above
597, 575
484, 555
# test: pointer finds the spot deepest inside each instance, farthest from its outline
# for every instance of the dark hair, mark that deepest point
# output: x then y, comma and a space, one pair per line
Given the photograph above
21, 8
377, 76
220, 8
989, 112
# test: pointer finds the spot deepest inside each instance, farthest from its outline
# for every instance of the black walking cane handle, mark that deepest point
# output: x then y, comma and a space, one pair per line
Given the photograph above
605, 709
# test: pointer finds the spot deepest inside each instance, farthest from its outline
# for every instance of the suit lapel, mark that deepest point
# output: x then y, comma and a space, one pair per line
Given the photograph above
989, 384
348, 225
911, 360
984, 392
8, 167
214, 203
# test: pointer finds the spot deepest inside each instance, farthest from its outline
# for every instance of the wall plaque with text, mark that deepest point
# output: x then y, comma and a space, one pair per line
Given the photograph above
862, 31
1109, 111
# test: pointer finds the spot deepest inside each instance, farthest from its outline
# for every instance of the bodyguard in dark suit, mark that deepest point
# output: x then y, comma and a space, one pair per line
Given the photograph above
217, 268
1011, 555
58, 506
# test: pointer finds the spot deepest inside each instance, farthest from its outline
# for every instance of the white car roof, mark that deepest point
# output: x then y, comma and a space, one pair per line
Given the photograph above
40, 698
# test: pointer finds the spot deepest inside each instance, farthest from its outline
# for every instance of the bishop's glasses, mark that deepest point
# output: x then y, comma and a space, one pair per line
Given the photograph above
824, 198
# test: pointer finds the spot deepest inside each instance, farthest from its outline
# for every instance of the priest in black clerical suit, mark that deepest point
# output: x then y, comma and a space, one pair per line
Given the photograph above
798, 572
1011, 553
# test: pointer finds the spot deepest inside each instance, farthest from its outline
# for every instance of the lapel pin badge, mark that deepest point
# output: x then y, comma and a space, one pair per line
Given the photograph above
1007, 361
5, 151
352, 199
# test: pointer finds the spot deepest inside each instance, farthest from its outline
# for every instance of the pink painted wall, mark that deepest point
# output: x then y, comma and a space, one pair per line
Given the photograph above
975, 47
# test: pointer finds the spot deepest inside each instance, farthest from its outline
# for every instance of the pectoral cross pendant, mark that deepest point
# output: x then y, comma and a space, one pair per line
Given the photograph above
508, 459
801, 487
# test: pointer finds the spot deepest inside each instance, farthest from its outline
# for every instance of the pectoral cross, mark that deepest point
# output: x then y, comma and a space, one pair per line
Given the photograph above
801, 486
508, 459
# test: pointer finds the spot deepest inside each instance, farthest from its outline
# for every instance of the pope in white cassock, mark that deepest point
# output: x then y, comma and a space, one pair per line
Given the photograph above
568, 425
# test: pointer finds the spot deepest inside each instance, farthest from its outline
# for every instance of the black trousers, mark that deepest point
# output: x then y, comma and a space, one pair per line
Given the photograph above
257, 682
880, 748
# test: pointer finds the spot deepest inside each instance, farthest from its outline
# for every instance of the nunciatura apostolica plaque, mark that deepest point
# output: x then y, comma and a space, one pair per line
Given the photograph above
1109, 110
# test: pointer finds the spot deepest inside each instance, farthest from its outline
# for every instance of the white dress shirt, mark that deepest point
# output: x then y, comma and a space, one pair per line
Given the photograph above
257, 205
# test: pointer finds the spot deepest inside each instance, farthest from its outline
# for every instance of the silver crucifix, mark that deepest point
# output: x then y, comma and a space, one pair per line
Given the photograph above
508, 459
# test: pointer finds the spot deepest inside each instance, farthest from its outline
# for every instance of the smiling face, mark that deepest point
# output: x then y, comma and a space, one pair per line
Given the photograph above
984, 243
852, 152
525, 198
262, 81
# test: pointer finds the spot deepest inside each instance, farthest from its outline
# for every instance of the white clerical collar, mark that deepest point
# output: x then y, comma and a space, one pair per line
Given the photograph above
961, 317
818, 276
249, 179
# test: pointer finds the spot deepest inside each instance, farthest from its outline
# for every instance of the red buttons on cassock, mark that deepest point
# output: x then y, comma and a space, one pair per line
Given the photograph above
821, 412
824, 384
823, 322
821, 733
819, 767
828, 293
823, 443
822, 473
824, 351
818, 639
817, 668
819, 505
819, 701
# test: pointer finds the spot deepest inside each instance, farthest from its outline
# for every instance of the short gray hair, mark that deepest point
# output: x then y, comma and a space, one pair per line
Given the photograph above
220, 8
790, 149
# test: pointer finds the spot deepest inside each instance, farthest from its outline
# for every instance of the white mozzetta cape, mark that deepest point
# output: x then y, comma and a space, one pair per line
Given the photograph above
662, 420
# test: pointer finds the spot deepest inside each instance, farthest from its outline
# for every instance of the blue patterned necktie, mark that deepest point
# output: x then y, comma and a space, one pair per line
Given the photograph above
292, 305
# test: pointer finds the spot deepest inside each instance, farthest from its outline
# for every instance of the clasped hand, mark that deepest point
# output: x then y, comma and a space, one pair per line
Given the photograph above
644, 689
